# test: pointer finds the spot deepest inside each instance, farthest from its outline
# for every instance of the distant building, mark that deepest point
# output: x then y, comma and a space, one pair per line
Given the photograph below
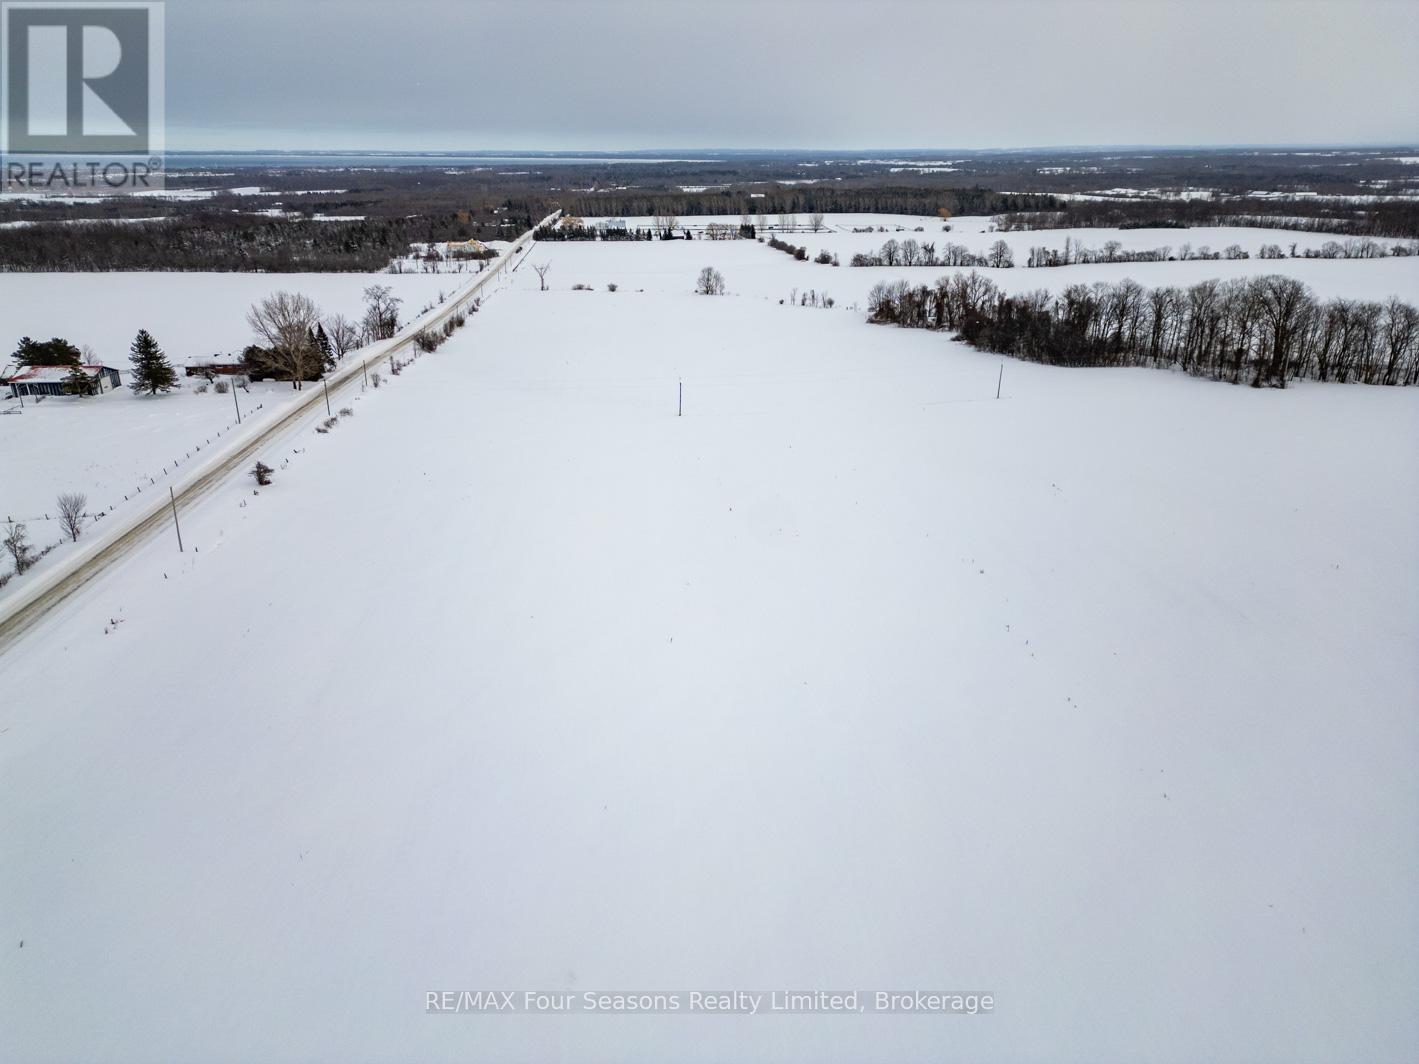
215, 366
54, 380
472, 249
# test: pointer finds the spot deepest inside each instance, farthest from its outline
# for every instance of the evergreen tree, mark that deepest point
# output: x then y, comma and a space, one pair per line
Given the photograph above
323, 342
78, 382
319, 347
55, 352
152, 372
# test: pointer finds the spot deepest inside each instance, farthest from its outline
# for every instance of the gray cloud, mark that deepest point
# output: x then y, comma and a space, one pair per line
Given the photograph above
474, 74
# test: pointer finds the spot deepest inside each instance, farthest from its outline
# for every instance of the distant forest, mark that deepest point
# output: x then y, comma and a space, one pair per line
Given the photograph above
231, 242
809, 199
1391, 218
270, 217
218, 241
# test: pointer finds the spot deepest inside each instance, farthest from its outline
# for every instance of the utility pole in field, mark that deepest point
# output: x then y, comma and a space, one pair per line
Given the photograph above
175, 525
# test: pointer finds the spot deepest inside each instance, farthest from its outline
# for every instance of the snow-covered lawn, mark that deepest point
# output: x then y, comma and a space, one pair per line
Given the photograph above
1099, 697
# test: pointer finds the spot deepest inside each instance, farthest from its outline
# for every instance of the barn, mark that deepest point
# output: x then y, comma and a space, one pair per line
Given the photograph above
54, 380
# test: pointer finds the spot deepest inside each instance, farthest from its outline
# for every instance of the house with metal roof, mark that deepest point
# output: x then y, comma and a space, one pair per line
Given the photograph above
54, 380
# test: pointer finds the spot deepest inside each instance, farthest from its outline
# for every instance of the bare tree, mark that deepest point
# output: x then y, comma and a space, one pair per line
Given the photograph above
665, 222
381, 319
816, 221
541, 268
761, 220
17, 543
788, 222
710, 283
286, 321
999, 255
344, 334
71, 513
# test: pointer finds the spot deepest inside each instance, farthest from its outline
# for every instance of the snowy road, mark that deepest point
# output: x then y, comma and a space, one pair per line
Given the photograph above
32, 600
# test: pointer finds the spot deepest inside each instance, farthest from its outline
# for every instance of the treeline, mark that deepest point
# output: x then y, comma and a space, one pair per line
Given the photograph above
1262, 331
591, 232
1075, 253
1391, 219
226, 242
912, 252
808, 199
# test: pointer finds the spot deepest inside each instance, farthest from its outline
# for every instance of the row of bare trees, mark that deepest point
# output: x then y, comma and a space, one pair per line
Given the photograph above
911, 252
1264, 330
1075, 253
71, 507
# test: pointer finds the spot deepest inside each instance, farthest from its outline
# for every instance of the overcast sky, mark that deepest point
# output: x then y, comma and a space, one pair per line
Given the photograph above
490, 74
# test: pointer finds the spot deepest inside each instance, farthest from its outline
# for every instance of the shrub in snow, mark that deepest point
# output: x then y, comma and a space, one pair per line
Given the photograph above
375, 379
425, 341
611, 287
345, 411
221, 387
262, 472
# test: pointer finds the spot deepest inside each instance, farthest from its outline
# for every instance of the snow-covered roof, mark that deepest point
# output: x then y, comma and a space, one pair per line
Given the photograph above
49, 374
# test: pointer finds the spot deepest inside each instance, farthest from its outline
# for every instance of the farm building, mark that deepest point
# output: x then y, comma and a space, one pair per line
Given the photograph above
474, 249
54, 380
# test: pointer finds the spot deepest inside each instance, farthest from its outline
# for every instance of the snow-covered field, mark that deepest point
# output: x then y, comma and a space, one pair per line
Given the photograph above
754, 269
1100, 697
192, 315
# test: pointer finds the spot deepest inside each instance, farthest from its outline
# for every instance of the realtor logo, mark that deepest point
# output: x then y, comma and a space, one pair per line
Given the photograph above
83, 96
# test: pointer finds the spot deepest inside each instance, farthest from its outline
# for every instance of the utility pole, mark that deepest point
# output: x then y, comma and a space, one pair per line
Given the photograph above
364, 371
174, 519
327, 396
236, 404
680, 407
1000, 380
